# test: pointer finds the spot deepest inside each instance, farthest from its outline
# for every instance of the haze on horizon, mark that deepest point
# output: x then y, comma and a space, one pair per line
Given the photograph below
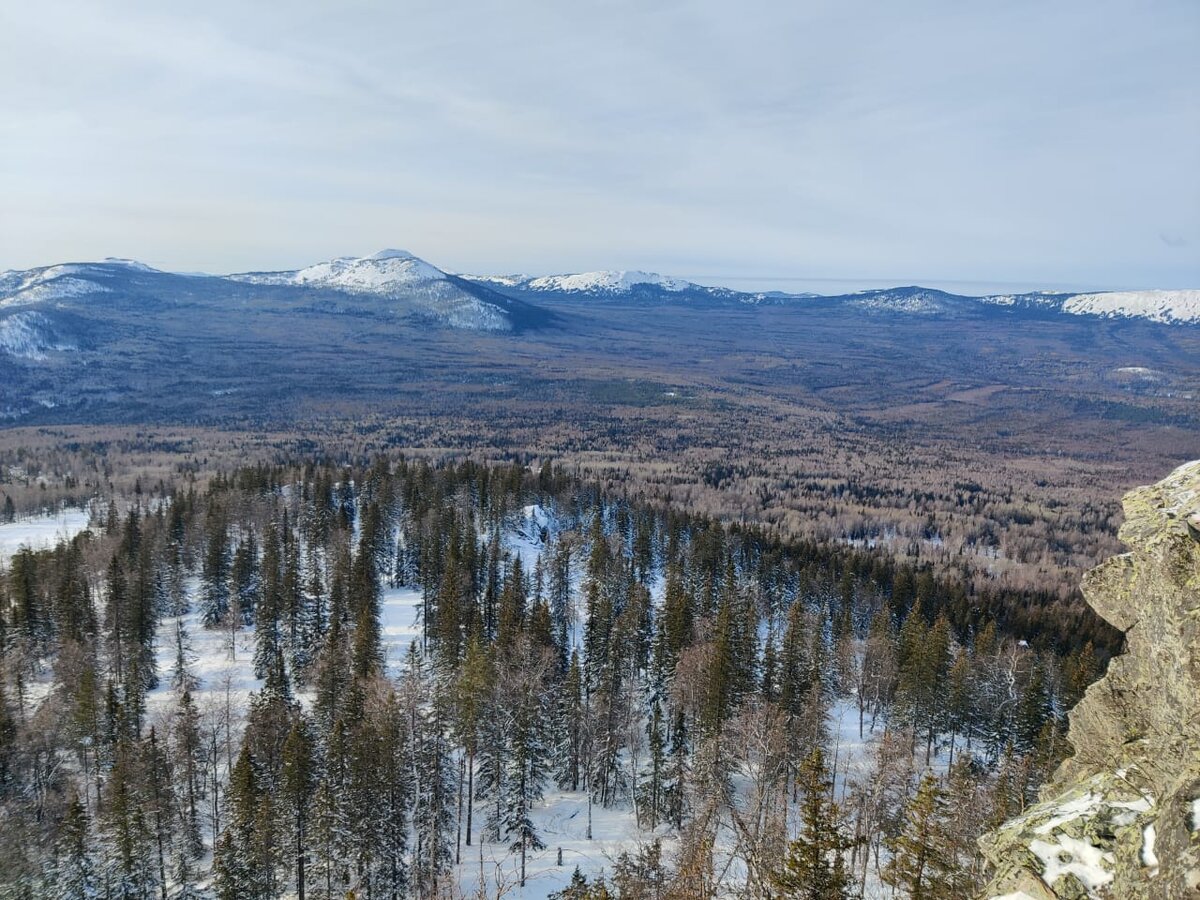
764, 144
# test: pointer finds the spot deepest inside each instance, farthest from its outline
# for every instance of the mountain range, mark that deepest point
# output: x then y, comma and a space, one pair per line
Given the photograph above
390, 335
398, 284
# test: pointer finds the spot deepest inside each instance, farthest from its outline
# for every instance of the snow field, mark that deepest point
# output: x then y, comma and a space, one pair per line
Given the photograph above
41, 532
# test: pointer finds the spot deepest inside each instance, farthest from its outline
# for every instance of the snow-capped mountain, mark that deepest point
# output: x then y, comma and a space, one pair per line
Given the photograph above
86, 341
1167, 307
913, 300
380, 273
1157, 306
420, 288
409, 286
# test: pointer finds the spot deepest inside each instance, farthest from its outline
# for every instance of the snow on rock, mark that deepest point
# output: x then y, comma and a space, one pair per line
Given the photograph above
1149, 858
41, 532
612, 282
1069, 856
1090, 834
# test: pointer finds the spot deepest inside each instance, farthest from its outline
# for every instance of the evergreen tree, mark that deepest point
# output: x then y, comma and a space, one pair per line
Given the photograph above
244, 855
214, 593
295, 794
815, 865
331, 814
922, 863
128, 835
364, 598
75, 875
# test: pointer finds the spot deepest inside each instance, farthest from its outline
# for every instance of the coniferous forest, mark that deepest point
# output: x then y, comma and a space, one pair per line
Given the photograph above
767, 717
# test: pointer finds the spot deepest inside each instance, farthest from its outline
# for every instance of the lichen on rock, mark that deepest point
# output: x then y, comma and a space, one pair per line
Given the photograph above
1121, 817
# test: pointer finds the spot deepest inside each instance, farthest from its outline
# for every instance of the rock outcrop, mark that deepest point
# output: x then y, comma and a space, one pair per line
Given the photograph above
1121, 817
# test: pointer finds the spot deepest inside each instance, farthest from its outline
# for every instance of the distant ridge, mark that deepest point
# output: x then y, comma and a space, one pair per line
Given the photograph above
486, 302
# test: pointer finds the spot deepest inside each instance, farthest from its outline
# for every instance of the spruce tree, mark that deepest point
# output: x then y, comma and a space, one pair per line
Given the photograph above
243, 858
128, 834
815, 865
75, 875
296, 778
214, 595
922, 863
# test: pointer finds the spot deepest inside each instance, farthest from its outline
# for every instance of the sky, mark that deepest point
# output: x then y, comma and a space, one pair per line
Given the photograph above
761, 143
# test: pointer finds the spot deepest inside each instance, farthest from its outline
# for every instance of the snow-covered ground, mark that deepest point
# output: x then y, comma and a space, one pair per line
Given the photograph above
400, 619
226, 680
41, 532
561, 819
222, 664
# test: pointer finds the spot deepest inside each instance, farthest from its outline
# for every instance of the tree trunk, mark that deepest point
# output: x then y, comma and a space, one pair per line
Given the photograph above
458, 840
470, 792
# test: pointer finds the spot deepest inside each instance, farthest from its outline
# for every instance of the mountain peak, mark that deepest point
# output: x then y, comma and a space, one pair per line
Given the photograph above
391, 253
128, 264
378, 273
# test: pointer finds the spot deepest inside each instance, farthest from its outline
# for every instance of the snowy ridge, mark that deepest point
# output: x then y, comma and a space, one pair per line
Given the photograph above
46, 285
1165, 307
917, 300
1157, 306
503, 280
378, 273
450, 299
50, 284
611, 282
1049, 299
396, 274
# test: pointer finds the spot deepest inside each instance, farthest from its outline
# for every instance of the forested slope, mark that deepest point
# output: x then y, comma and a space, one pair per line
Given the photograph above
683, 683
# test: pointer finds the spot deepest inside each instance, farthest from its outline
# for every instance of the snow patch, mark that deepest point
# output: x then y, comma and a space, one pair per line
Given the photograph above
400, 624
29, 335
1071, 856
1149, 859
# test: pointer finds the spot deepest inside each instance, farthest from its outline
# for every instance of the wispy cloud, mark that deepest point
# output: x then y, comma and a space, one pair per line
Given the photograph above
1022, 141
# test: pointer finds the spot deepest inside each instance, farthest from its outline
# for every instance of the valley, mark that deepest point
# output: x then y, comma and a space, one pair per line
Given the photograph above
845, 418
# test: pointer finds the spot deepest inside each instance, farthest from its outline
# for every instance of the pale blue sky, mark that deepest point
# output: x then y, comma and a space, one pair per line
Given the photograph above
1034, 143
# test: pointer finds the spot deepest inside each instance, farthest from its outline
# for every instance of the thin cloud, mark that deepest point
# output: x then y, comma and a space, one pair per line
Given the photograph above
1024, 141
